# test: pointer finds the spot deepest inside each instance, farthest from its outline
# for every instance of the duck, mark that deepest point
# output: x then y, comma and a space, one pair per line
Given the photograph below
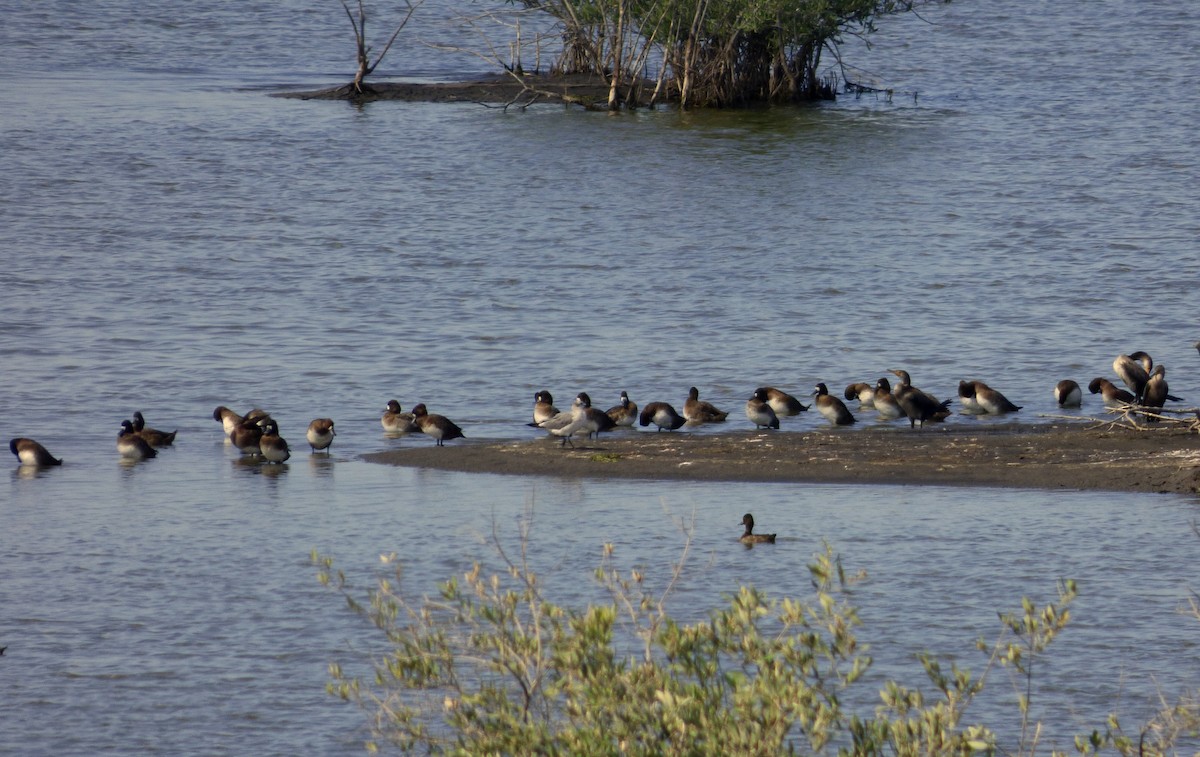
397, 422
29, 452
919, 406
749, 537
831, 407
543, 407
885, 402
441, 428
320, 434
1134, 370
928, 404
155, 437
624, 414
864, 393
246, 434
568, 423
227, 418
131, 446
992, 401
759, 410
1157, 392
1114, 396
1068, 394
273, 446
696, 410
782, 402
595, 421
968, 400
661, 414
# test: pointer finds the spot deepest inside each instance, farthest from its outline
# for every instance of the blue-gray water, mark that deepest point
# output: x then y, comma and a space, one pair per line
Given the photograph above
173, 239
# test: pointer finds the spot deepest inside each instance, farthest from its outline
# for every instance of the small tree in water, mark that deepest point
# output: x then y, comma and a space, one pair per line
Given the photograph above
365, 65
713, 53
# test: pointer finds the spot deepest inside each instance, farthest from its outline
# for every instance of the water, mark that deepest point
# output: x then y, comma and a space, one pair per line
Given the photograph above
173, 239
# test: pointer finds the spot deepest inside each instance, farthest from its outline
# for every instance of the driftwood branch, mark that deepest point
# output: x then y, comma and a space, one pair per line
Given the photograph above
363, 52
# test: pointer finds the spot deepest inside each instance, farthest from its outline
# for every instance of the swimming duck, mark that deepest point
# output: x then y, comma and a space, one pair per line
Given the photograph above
1113, 395
885, 402
1068, 394
624, 414
131, 446
543, 407
864, 393
831, 407
320, 434
749, 537
661, 414
698, 411
153, 436
566, 424
30, 452
782, 402
1134, 370
595, 421
759, 410
441, 428
273, 446
396, 422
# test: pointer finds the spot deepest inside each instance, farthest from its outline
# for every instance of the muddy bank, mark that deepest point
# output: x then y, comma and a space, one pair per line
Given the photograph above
587, 91
1053, 456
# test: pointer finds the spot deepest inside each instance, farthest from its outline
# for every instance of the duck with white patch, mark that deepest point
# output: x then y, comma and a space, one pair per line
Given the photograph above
395, 421
624, 414
832, 408
783, 403
760, 412
1068, 394
131, 446
273, 446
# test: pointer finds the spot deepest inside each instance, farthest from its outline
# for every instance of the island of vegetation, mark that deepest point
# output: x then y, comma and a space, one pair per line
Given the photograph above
615, 54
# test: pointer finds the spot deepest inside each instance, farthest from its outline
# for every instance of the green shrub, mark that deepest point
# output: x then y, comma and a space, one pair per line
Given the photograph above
490, 666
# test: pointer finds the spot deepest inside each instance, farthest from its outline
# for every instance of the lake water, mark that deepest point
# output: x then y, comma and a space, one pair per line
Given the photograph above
174, 238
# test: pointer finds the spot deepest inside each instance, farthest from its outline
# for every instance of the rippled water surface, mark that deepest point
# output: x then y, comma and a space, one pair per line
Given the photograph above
1020, 210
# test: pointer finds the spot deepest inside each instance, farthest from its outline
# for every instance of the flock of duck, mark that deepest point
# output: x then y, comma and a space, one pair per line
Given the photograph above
257, 434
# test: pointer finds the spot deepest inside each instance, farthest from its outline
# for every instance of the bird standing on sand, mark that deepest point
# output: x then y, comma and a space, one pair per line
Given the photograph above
441, 428
566, 424
749, 537
759, 410
594, 421
661, 414
543, 407
625, 413
1134, 370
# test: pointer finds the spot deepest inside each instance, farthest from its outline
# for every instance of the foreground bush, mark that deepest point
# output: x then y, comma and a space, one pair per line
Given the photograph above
491, 666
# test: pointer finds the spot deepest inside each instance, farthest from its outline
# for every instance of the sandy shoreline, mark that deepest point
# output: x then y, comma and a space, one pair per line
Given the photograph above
1050, 456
